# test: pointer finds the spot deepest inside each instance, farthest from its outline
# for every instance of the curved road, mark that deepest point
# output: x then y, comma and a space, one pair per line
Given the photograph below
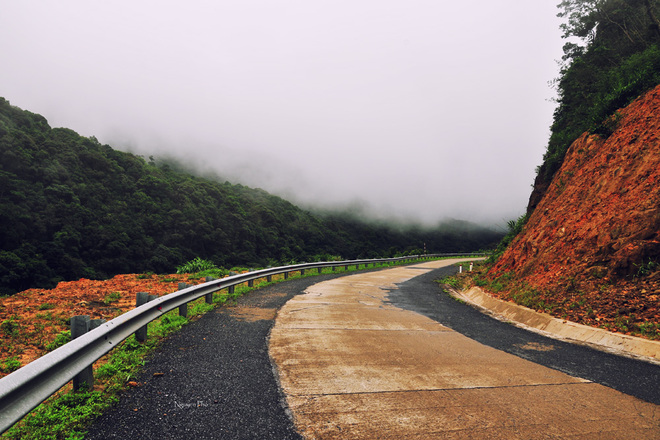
378, 355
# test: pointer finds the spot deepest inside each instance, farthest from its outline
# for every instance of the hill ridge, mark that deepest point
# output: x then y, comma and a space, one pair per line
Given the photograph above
73, 208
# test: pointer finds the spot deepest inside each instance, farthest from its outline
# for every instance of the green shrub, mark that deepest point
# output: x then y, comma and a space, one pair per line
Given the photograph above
196, 265
9, 328
451, 281
62, 338
217, 272
514, 228
10, 364
111, 297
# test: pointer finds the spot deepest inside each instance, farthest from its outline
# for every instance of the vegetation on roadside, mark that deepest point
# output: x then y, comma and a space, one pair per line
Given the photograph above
514, 227
567, 303
196, 265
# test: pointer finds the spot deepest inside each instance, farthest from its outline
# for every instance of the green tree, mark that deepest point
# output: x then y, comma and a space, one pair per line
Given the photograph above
611, 58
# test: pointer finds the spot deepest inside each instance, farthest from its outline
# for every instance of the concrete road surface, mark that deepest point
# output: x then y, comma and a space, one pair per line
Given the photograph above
355, 366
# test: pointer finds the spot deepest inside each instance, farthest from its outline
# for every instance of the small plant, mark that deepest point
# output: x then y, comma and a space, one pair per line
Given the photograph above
217, 272
529, 298
38, 335
607, 127
62, 338
453, 282
650, 329
9, 328
196, 265
167, 280
514, 227
111, 297
479, 282
145, 276
46, 306
646, 268
10, 364
237, 269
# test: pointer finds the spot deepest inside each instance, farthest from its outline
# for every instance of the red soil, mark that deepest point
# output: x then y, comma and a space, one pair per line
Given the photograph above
591, 248
38, 315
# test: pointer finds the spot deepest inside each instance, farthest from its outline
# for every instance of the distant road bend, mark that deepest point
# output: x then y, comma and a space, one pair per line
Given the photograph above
378, 355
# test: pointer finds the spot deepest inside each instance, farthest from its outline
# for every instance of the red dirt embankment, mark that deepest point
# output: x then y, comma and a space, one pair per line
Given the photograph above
591, 248
30, 320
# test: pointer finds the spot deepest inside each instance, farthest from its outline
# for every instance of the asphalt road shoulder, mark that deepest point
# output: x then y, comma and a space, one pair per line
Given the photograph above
630, 376
211, 380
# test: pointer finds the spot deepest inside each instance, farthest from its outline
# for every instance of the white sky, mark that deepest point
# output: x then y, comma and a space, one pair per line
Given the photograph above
422, 108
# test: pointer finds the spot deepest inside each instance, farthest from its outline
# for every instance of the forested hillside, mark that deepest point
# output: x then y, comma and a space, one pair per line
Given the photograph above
71, 208
610, 58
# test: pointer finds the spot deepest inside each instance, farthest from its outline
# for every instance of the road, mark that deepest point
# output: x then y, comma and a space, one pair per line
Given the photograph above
381, 354
356, 363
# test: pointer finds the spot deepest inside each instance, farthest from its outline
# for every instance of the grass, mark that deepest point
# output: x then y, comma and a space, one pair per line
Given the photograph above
46, 306
10, 364
111, 297
572, 306
62, 338
519, 292
452, 281
67, 414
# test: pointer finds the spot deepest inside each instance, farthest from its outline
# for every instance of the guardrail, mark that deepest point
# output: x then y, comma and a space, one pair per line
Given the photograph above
27, 387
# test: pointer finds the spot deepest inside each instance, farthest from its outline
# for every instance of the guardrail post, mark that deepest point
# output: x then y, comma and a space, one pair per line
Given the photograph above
269, 278
250, 283
209, 296
347, 267
230, 290
80, 325
302, 272
85, 379
286, 275
140, 299
183, 308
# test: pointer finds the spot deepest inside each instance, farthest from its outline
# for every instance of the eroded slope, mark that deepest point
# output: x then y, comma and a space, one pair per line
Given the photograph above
591, 249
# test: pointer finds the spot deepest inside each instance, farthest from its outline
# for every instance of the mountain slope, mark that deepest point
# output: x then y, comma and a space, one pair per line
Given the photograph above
71, 207
590, 251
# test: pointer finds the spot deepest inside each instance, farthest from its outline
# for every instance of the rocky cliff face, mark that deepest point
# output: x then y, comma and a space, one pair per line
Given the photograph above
591, 247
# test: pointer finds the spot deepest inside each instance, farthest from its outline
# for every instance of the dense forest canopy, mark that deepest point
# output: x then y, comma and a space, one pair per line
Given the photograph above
610, 58
71, 207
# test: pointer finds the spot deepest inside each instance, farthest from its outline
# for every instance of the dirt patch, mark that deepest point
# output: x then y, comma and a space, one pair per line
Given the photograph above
535, 346
252, 314
32, 319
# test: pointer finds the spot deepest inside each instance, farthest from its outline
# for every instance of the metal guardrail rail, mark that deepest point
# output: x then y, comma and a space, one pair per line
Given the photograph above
24, 389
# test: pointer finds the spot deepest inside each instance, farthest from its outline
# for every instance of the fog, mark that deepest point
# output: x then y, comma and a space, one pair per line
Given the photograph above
418, 109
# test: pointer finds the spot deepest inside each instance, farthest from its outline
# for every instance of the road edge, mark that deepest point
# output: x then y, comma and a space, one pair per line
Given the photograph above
623, 345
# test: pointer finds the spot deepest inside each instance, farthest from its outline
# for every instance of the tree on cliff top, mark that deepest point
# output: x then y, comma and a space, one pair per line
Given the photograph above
612, 57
